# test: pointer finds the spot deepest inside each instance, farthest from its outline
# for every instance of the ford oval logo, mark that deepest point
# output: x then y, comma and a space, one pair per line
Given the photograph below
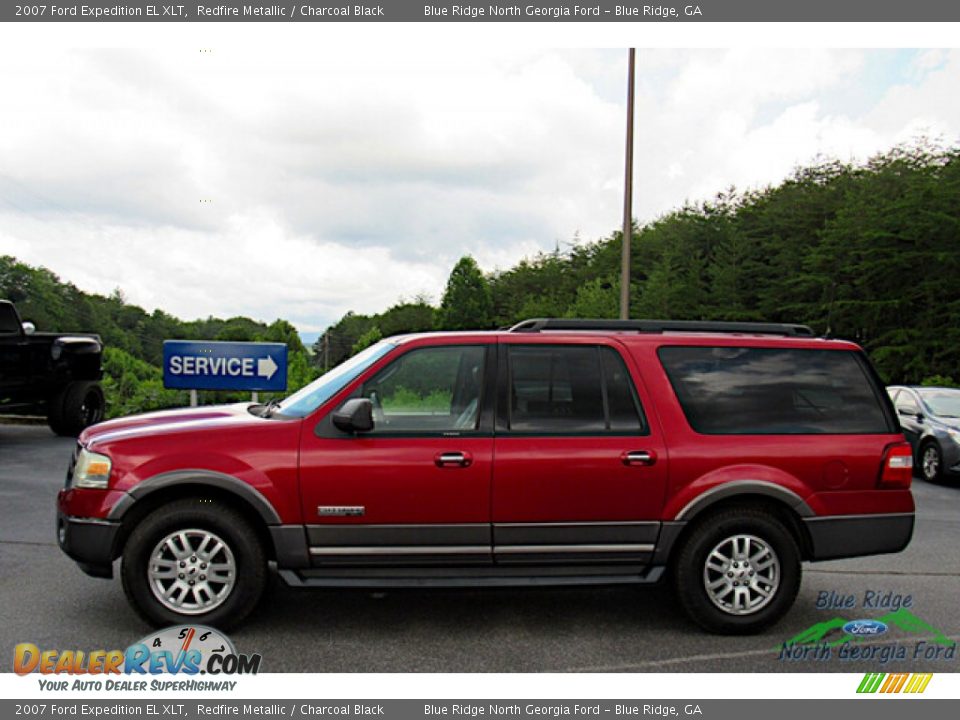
865, 627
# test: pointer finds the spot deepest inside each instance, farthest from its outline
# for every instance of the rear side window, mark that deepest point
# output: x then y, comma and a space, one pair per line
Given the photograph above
774, 391
572, 389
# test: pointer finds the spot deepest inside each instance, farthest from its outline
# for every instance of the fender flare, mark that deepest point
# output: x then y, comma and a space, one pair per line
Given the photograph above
744, 487
210, 478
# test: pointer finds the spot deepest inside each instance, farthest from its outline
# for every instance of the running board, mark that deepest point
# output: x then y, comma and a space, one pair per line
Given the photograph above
328, 579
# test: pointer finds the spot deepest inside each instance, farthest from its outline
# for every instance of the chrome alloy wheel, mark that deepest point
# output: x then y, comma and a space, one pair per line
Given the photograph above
192, 571
930, 463
741, 574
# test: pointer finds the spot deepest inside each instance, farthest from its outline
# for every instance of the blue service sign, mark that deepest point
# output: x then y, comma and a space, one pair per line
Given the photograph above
201, 365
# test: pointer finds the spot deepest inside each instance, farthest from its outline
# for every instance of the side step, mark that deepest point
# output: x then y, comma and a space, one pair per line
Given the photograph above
339, 579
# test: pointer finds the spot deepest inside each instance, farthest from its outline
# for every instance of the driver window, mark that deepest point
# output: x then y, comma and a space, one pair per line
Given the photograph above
429, 390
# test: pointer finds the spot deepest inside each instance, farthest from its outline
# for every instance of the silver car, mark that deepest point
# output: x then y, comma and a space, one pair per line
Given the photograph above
930, 418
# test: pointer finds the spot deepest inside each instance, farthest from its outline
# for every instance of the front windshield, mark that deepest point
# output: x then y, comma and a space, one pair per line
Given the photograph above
309, 398
942, 402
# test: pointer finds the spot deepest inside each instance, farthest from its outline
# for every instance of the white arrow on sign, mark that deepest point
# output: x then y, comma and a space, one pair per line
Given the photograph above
266, 367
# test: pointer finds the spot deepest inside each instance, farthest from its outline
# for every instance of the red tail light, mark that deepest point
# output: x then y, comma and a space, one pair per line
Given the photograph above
897, 470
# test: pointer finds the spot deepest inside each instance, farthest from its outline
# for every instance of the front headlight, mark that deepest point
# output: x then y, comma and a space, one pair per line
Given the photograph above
92, 470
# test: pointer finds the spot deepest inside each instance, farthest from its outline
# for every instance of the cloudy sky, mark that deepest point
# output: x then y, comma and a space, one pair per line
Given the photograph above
302, 183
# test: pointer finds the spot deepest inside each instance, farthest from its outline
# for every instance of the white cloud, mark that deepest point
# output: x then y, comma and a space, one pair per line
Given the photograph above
254, 265
347, 180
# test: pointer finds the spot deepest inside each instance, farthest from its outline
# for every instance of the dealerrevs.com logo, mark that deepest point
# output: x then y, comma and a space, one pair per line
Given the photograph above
180, 650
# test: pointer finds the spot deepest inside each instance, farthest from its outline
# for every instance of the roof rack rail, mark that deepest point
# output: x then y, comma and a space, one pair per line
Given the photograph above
660, 326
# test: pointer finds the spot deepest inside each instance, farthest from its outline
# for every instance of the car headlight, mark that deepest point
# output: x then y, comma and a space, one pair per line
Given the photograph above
92, 470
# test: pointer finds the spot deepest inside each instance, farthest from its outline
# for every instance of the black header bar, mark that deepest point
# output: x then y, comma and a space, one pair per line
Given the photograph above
484, 11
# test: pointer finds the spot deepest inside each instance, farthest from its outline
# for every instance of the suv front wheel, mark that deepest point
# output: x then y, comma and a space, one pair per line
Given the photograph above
194, 560
737, 571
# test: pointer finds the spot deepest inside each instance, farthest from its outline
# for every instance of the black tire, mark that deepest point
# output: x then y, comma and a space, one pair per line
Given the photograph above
931, 471
207, 516
690, 574
77, 406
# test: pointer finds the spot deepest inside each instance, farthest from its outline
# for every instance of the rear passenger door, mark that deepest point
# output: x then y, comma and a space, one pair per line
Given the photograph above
579, 470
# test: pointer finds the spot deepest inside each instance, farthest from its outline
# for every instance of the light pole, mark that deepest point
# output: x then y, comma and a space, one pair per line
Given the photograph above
627, 198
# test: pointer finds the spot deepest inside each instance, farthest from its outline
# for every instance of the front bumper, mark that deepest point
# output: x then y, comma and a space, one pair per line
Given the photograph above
845, 536
90, 542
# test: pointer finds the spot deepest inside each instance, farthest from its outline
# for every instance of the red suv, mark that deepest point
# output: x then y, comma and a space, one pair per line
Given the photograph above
560, 452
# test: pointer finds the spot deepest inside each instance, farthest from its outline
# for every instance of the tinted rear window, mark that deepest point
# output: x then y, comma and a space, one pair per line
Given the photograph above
773, 391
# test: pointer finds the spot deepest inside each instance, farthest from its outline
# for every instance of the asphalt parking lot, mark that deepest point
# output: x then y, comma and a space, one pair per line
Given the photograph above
47, 600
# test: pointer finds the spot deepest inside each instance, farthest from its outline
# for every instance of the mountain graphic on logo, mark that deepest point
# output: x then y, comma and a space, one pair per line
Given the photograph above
831, 634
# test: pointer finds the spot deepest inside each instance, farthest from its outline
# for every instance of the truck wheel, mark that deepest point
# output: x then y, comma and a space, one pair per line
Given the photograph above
738, 571
194, 560
79, 405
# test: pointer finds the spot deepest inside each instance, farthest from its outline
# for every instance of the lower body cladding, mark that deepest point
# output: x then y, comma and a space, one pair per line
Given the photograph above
503, 554
89, 542
843, 536
511, 554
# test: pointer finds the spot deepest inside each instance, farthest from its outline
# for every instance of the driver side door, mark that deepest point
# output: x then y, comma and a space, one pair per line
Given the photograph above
416, 488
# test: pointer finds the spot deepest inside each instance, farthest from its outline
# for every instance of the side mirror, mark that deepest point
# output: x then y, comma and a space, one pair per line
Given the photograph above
355, 416
28, 328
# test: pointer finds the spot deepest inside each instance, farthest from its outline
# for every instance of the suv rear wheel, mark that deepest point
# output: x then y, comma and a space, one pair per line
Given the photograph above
194, 560
738, 571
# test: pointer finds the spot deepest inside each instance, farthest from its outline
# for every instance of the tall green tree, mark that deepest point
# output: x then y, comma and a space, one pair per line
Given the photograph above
467, 303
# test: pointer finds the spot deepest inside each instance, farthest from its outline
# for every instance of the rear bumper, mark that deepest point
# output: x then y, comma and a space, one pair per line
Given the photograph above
844, 536
89, 542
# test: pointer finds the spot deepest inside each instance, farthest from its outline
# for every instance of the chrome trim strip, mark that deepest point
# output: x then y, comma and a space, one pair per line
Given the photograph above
91, 521
863, 516
402, 526
539, 549
578, 523
404, 550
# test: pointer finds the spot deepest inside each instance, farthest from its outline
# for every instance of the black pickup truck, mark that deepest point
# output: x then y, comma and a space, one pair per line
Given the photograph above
49, 373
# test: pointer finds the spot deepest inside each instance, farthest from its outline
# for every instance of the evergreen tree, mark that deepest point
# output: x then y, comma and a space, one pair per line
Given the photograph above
466, 303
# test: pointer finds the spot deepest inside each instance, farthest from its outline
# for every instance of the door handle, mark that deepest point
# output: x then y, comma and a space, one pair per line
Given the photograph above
638, 457
452, 459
